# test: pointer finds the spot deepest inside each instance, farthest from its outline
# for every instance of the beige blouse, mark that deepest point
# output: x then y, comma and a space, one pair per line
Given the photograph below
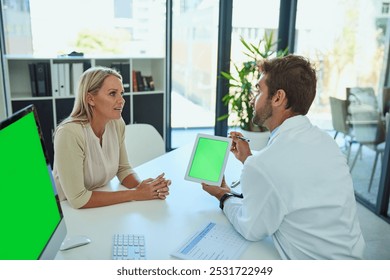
82, 165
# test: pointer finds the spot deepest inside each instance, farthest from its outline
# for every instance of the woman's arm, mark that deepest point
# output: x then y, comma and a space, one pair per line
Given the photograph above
131, 181
69, 155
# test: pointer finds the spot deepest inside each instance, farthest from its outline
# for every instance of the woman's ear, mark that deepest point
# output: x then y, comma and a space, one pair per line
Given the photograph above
90, 99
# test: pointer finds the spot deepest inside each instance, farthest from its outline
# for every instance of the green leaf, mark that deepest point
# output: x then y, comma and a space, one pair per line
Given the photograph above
228, 76
224, 117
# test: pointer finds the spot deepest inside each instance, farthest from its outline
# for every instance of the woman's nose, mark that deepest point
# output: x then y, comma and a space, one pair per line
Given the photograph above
122, 100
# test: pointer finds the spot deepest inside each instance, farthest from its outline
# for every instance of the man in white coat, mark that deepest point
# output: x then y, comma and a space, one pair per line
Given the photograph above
298, 189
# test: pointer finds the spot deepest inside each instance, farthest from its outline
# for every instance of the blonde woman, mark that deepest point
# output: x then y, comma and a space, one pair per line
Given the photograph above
89, 147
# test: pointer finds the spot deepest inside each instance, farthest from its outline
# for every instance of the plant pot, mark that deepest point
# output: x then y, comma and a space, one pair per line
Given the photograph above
258, 140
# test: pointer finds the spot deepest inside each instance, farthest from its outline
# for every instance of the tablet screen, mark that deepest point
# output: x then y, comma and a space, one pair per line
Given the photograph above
208, 159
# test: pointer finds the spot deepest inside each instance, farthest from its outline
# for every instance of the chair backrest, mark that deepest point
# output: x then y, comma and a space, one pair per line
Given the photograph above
368, 128
365, 115
338, 108
143, 143
362, 97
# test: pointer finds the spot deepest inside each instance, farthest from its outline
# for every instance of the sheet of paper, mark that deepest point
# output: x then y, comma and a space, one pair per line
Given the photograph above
213, 242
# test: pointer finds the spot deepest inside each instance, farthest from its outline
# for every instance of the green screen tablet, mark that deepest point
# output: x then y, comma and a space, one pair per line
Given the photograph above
208, 159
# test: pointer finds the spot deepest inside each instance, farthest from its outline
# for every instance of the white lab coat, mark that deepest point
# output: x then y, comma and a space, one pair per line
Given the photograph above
299, 191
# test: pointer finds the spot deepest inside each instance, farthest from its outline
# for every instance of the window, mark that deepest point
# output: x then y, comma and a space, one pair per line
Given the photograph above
107, 27
17, 26
194, 64
385, 8
251, 25
349, 52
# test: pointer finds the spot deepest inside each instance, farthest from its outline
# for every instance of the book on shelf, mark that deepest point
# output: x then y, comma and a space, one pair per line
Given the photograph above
54, 79
77, 70
142, 83
148, 80
135, 85
33, 78
65, 77
124, 69
87, 65
40, 79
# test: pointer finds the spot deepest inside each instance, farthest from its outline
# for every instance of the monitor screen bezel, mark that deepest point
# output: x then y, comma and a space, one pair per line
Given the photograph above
59, 233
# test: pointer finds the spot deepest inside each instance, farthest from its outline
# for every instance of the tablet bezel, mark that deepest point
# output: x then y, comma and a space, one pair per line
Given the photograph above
226, 157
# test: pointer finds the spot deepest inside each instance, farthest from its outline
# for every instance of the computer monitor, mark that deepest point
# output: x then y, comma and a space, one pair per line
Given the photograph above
31, 220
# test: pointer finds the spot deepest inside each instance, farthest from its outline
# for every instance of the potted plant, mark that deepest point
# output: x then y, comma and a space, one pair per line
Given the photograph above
241, 83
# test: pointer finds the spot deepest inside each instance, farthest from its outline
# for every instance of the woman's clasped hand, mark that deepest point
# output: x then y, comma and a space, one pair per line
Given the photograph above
150, 188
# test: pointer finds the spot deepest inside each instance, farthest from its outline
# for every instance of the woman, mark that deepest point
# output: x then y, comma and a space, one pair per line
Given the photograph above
90, 147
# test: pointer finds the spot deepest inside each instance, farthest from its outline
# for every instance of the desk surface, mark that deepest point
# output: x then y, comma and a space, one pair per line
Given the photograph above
165, 224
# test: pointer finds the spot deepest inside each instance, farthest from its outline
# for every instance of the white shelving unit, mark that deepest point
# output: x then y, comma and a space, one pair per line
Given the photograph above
53, 106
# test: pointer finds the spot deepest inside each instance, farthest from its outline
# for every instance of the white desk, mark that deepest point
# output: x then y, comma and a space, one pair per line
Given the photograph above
165, 224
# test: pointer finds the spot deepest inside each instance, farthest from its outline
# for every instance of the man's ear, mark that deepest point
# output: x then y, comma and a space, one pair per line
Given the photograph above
279, 98
90, 99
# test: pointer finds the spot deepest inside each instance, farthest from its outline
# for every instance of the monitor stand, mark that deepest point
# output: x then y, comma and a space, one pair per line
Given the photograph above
74, 241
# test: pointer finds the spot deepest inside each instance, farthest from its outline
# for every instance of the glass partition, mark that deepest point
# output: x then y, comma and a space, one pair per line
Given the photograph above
347, 41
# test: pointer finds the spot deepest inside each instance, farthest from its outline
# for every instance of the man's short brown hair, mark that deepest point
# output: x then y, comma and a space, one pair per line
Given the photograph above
296, 76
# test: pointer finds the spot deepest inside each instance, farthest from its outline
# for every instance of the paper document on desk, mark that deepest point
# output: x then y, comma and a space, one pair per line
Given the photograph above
213, 242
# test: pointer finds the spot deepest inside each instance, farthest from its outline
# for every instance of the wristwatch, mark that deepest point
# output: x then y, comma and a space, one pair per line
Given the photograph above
223, 198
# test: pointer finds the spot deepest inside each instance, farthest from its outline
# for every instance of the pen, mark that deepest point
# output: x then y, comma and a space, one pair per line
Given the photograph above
235, 184
241, 138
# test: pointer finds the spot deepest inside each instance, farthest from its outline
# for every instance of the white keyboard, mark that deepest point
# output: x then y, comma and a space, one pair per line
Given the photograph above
128, 247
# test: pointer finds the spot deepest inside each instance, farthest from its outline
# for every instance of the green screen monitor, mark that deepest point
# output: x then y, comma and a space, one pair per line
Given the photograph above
31, 220
208, 159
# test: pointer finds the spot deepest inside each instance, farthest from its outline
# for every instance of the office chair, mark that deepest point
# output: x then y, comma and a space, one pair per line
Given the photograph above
368, 130
362, 101
339, 112
363, 98
143, 143
380, 150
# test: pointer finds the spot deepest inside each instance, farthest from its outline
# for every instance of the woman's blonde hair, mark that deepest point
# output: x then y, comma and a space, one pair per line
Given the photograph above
90, 82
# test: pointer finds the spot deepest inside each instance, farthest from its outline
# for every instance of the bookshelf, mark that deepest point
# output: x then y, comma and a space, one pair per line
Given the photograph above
54, 98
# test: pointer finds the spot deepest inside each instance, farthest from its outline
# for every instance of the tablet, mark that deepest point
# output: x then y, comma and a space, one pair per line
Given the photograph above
208, 159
